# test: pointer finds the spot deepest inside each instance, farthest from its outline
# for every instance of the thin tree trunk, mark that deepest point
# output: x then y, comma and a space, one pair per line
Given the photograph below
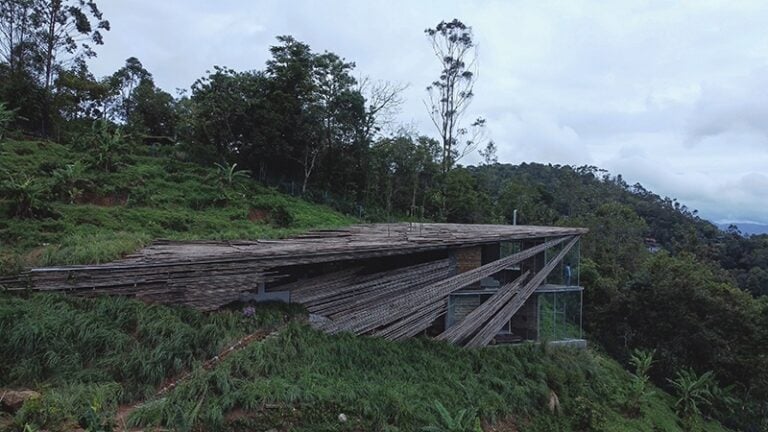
413, 195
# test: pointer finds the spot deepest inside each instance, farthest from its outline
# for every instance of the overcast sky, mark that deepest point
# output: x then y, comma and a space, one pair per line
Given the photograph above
673, 95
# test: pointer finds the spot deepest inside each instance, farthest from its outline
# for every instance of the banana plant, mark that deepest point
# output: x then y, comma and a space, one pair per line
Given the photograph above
463, 421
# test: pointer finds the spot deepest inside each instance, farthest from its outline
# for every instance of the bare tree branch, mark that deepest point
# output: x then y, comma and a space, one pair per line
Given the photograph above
450, 95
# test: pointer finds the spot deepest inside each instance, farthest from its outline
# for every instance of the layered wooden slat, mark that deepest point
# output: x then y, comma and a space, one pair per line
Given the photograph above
409, 303
495, 324
394, 304
480, 315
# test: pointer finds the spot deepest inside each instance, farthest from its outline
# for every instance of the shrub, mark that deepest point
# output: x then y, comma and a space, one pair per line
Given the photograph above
26, 195
588, 415
693, 394
6, 117
69, 181
280, 216
229, 175
105, 145
639, 389
463, 421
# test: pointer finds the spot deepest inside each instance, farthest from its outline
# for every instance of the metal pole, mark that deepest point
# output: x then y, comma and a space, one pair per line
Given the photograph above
538, 317
514, 217
581, 314
554, 316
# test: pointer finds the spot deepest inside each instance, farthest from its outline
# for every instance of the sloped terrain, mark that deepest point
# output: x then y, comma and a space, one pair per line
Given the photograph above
93, 358
80, 212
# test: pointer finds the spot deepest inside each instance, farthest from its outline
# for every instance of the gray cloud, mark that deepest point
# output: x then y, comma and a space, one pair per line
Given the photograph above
669, 95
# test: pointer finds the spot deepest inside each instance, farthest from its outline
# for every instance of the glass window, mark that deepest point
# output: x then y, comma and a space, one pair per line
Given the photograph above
559, 315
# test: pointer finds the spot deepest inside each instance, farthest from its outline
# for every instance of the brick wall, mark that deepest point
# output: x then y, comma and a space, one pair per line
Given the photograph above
468, 258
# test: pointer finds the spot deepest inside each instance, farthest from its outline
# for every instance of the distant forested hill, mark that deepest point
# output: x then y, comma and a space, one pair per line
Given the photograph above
657, 276
746, 228
587, 195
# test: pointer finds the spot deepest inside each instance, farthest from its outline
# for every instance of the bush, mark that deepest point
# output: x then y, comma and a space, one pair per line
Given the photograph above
105, 146
640, 387
70, 182
230, 181
26, 195
6, 117
281, 217
463, 421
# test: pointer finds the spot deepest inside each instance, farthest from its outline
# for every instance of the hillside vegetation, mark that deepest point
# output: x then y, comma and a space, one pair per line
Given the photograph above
93, 358
94, 203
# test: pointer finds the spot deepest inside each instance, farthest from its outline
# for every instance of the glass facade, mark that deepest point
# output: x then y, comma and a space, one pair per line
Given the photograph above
559, 315
554, 310
566, 272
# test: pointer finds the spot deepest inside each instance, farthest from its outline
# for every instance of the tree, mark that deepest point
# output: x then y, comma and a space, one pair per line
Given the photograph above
222, 111
64, 32
292, 91
452, 92
64, 27
16, 33
383, 101
466, 202
678, 306
532, 202
154, 112
123, 82
489, 154
79, 96
6, 117
318, 103
340, 109
401, 169
19, 62
615, 240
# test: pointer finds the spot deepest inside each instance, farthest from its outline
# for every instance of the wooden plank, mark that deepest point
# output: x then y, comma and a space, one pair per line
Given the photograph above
381, 315
495, 324
469, 325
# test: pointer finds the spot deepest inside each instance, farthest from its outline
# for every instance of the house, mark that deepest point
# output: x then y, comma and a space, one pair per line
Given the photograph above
651, 245
471, 285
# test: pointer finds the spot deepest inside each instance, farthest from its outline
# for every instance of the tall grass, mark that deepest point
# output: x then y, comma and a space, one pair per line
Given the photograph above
309, 378
124, 345
87, 356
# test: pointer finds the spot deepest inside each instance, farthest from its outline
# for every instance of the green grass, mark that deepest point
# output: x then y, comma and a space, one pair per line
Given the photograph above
109, 350
147, 197
310, 378
89, 356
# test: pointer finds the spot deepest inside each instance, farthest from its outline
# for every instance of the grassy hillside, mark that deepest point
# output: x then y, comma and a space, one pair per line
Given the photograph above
98, 363
91, 358
88, 210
